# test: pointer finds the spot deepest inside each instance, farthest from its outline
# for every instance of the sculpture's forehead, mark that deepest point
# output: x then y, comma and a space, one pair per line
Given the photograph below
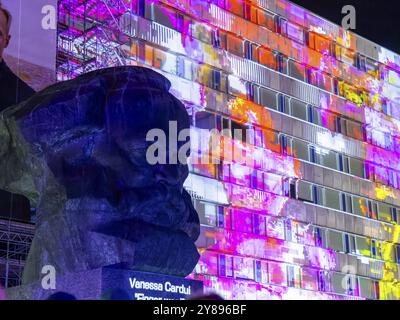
125, 102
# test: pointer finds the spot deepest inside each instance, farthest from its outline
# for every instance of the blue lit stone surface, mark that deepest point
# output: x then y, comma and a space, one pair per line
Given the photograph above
77, 150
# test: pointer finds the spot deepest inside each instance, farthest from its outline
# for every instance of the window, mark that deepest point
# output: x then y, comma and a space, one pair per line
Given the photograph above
236, 7
235, 45
320, 237
309, 279
267, 58
296, 70
201, 32
266, 20
225, 266
293, 276
207, 213
305, 191
350, 244
250, 51
346, 203
302, 233
397, 247
363, 246
317, 195
367, 288
354, 130
277, 274
184, 68
268, 98
283, 103
299, 109
332, 199
275, 228
328, 159
324, 281
314, 116
294, 32
243, 268
343, 283
356, 167
205, 120
335, 240
259, 224
360, 206
384, 212
318, 43
300, 149
164, 61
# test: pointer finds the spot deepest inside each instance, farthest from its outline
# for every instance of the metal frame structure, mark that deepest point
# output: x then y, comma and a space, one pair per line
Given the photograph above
15, 241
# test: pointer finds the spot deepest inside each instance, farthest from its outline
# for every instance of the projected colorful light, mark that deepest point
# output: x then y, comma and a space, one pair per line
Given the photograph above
295, 167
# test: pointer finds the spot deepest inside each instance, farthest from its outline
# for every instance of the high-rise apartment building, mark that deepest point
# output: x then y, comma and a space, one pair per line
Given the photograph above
295, 169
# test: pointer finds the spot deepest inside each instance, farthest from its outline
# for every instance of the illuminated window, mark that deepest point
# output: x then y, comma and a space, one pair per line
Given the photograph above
267, 58
294, 32
259, 224
165, 61
235, 7
277, 274
360, 206
235, 45
320, 237
397, 253
266, 19
324, 281
159, 14
243, 268
225, 266
384, 212
293, 276
207, 213
275, 228
309, 279
363, 246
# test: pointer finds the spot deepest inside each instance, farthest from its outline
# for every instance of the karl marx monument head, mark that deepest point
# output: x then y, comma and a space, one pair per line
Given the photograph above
77, 150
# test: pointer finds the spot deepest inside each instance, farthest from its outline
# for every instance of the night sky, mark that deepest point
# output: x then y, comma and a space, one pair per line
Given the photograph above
377, 20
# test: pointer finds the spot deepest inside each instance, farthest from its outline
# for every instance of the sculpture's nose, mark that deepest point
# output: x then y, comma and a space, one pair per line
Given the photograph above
170, 174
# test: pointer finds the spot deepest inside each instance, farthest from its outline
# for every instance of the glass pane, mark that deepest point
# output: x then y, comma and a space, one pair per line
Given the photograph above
363, 246
299, 109
300, 149
360, 206
304, 191
268, 98
332, 199
335, 240
356, 167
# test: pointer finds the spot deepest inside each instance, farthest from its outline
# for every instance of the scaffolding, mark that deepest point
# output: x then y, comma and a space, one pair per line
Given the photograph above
92, 34
15, 241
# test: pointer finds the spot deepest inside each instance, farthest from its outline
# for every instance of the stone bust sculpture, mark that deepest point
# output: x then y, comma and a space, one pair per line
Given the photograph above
77, 150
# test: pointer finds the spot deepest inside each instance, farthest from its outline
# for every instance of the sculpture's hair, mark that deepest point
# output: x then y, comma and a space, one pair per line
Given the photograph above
8, 16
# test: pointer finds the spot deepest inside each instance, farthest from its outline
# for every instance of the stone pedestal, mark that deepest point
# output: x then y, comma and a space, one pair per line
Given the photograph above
105, 282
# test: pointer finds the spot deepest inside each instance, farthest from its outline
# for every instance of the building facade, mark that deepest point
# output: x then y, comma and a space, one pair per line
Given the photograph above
294, 166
